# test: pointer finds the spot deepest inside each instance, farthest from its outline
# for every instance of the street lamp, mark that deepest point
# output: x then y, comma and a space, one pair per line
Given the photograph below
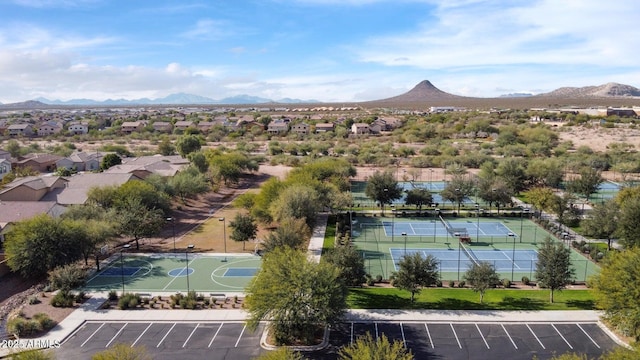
173, 227
124, 247
435, 221
521, 219
224, 239
393, 221
513, 254
478, 224
405, 243
458, 199
186, 256
385, 199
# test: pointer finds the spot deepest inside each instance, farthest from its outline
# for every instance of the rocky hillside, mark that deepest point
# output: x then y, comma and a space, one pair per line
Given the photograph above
601, 91
421, 92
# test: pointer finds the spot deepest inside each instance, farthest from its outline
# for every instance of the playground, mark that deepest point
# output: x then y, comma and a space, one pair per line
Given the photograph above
171, 273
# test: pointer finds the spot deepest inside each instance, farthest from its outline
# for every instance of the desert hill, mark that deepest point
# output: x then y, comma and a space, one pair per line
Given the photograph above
606, 90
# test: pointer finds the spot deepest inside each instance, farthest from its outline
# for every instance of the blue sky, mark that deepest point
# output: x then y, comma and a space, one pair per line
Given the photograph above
328, 50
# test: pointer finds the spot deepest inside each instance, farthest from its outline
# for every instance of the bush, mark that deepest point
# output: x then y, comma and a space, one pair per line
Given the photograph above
34, 300
506, 283
79, 297
24, 327
525, 280
452, 283
378, 278
461, 284
62, 299
67, 277
113, 295
44, 320
128, 301
438, 283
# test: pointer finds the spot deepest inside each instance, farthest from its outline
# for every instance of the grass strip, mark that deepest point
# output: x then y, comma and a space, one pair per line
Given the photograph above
467, 299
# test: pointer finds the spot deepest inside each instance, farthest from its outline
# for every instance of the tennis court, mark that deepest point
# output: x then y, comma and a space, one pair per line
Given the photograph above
451, 259
153, 273
425, 228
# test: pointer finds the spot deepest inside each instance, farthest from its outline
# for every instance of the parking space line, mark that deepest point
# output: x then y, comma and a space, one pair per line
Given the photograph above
116, 335
351, 342
482, 336
376, 325
404, 340
190, 335
240, 337
536, 336
90, 336
429, 335
456, 335
509, 336
214, 335
563, 338
145, 330
165, 335
590, 338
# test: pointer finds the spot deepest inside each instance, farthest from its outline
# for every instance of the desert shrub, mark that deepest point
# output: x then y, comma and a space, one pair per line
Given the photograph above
461, 284
438, 283
128, 301
378, 278
34, 300
452, 283
67, 277
113, 295
44, 320
188, 303
80, 297
62, 299
525, 280
506, 283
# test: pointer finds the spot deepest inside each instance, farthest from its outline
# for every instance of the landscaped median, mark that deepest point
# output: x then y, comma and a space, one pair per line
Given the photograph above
467, 299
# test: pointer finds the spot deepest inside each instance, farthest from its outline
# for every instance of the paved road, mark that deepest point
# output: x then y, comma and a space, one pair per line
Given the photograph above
427, 340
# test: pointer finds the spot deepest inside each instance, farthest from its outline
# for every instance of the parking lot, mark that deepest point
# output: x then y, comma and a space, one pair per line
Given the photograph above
427, 340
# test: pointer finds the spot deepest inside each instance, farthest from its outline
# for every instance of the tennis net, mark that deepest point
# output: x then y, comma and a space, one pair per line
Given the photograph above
470, 255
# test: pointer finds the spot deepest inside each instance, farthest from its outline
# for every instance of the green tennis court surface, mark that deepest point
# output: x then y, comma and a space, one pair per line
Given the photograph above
205, 273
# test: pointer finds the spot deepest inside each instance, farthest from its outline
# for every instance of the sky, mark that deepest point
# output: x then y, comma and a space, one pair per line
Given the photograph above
325, 50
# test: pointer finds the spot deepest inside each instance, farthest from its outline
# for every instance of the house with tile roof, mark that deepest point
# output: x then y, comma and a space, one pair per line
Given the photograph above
15, 211
81, 161
77, 186
31, 188
43, 163
144, 166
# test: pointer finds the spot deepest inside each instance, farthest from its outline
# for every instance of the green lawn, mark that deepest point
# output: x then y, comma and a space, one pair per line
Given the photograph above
466, 299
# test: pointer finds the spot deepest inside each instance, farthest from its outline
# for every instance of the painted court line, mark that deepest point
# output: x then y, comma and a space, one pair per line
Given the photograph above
429, 335
165, 335
456, 335
90, 336
139, 337
404, 340
190, 335
351, 342
509, 336
240, 337
482, 336
563, 338
590, 338
214, 335
116, 335
376, 325
536, 336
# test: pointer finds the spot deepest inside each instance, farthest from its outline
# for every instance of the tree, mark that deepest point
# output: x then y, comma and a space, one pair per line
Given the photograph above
296, 201
602, 221
189, 183
137, 221
123, 352
291, 232
553, 268
511, 171
366, 348
143, 191
418, 197
629, 219
297, 296
165, 147
481, 277
458, 189
244, 228
350, 262
186, 144
383, 188
110, 160
545, 172
587, 184
616, 287
415, 272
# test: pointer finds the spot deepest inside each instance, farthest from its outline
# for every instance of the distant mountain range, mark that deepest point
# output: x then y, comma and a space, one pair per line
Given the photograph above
422, 93
175, 99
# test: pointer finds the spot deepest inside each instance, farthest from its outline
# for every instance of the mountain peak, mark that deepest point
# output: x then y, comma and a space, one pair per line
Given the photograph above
424, 91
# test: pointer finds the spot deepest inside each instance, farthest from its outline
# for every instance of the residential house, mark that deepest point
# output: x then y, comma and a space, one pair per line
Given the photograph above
22, 129
81, 161
78, 127
5, 155
360, 129
324, 127
183, 125
205, 126
76, 189
129, 127
49, 128
39, 162
146, 165
162, 126
279, 126
30, 188
5, 167
300, 128
15, 211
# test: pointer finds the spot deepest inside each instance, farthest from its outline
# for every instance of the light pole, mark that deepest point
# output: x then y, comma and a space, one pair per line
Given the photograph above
478, 224
405, 243
173, 227
458, 200
124, 247
224, 238
393, 222
521, 219
513, 255
385, 199
435, 222
186, 256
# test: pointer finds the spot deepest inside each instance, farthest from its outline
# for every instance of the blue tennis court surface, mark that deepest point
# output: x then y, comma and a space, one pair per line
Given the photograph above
248, 272
425, 228
120, 271
608, 185
462, 258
